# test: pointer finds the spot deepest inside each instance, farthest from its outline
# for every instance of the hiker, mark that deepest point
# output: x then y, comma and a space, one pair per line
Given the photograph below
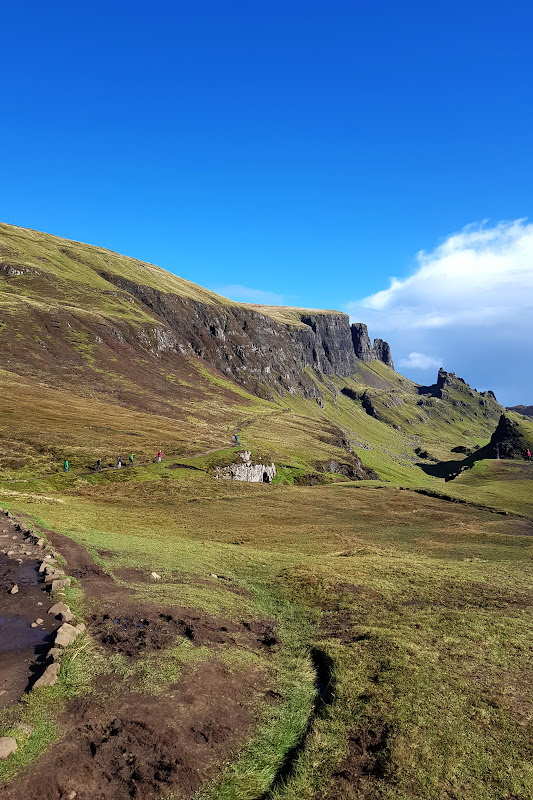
99, 465
66, 466
497, 451
119, 465
236, 439
131, 460
528, 455
159, 456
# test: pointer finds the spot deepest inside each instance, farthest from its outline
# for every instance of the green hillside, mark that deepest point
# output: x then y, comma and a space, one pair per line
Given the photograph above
75, 346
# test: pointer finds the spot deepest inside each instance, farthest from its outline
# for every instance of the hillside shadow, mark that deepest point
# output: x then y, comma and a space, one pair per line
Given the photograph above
451, 469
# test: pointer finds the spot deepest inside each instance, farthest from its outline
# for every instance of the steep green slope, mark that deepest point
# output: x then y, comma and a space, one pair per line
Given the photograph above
93, 334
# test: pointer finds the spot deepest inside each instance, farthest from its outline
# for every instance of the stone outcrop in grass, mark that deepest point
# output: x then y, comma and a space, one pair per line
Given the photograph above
246, 471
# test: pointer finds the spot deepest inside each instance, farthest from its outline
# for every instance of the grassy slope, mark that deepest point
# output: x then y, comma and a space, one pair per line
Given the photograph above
61, 300
74, 263
422, 605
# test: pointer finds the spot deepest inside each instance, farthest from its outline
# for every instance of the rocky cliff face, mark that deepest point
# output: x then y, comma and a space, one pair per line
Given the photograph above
363, 348
383, 353
251, 347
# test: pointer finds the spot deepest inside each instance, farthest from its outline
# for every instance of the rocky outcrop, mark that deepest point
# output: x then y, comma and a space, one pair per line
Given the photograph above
507, 440
526, 411
445, 381
363, 348
383, 353
361, 342
251, 347
246, 471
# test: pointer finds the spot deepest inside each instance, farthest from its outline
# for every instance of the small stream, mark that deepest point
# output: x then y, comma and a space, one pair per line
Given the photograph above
16, 634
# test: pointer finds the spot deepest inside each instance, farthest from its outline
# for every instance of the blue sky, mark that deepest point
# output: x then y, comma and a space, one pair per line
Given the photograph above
302, 151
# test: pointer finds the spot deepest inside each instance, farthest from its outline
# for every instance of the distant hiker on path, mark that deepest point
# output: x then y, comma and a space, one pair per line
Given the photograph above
66, 466
99, 465
159, 456
131, 460
497, 451
119, 465
528, 455
236, 439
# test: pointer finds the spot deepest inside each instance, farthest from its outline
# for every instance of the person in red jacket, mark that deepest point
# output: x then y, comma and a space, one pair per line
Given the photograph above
159, 456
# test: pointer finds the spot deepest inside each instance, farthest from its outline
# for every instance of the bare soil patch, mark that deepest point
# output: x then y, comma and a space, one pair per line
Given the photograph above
142, 629
367, 760
144, 747
118, 742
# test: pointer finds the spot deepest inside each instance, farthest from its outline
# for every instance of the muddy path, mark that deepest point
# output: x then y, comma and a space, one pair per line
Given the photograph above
118, 740
24, 642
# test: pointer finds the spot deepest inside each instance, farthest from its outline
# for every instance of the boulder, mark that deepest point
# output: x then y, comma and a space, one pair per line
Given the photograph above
52, 573
59, 583
66, 634
7, 746
155, 576
63, 611
14, 589
49, 676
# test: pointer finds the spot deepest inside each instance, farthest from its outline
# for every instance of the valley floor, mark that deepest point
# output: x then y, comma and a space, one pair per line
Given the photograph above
298, 642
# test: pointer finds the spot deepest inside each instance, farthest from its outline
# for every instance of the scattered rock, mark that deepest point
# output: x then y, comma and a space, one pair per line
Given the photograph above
62, 611
155, 576
58, 608
66, 634
58, 584
70, 795
14, 589
7, 746
55, 653
49, 676
25, 728
39, 621
213, 575
34, 625
52, 573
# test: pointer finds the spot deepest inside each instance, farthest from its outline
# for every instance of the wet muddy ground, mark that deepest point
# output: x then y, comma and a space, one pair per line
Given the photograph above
118, 741
22, 647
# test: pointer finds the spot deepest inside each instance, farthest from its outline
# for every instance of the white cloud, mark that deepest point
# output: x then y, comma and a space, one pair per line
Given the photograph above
420, 361
471, 299
245, 294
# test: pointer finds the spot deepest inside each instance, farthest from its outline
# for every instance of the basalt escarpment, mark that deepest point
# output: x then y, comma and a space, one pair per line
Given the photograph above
363, 348
251, 347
